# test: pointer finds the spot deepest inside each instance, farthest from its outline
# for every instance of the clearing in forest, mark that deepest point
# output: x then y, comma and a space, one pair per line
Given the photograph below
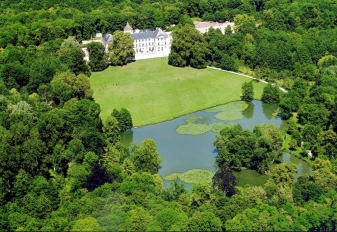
154, 91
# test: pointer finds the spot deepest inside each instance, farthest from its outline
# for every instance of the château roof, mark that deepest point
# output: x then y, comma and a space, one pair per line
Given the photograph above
127, 27
148, 34
106, 38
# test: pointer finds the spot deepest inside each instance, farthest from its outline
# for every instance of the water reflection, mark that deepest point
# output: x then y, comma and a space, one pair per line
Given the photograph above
269, 109
302, 167
249, 112
127, 137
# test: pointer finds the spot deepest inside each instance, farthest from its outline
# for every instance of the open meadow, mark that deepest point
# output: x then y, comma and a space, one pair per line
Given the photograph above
154, 91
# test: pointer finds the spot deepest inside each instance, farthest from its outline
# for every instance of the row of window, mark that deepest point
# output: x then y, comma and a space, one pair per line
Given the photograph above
142, 45
151, 49
147, 40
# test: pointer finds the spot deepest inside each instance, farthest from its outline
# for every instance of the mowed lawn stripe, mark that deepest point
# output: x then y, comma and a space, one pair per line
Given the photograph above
154, 92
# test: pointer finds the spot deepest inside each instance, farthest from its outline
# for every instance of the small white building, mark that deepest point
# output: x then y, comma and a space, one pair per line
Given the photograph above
86, 54
150, 43
204, 27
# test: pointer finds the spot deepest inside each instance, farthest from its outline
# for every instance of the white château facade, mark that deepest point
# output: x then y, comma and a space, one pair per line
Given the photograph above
148, 43
203, 27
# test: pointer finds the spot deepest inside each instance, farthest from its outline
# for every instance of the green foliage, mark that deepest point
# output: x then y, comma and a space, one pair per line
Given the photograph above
111, 130
327, 61
192, 176
124, 119
271, 94
247, 91
121, 48
145, 157
80, 84
188, 48
98, 60
73, 59
175, 190
239, 148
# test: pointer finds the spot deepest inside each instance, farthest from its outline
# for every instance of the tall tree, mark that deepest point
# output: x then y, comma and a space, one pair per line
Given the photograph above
121, 48
111, 130
271, 94
224, 180
146, 157
98, 59
247, 91
189, 48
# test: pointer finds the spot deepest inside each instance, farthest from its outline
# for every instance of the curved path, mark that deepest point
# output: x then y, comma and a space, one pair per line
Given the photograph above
282, 89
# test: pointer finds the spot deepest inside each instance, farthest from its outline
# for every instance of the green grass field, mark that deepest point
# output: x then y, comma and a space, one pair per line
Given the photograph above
154, 92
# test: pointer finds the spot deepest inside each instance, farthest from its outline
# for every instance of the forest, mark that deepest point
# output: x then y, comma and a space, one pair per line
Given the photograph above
62, 167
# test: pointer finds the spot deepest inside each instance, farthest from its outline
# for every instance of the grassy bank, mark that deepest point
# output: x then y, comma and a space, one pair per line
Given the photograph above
154, 92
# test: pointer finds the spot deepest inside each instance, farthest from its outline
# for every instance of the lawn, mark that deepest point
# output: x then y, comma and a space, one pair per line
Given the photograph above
154, 92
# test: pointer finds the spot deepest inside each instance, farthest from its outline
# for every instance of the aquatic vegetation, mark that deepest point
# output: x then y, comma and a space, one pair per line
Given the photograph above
193, 129
172, 176
198, 124
218, 126
192, 176
198, 120
229, 115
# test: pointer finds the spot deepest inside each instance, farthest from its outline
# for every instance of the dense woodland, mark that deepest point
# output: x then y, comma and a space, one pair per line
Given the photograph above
63, 168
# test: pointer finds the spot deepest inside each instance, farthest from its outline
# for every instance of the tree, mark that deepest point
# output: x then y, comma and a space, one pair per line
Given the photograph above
323, 175
79, 84
145, 157
283, 174
124, 119
227, 62
14, 75
73, 58
189, 48
169, 219
121, 48
247, 91
326, 61
88, 223
313, 114
98, 59
174, 192
111, 130
137, 220
206, 221
199, 55
61, 92
271, 94
224, 180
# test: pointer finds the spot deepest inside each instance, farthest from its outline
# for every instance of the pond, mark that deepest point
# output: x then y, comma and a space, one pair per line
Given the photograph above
181, 153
